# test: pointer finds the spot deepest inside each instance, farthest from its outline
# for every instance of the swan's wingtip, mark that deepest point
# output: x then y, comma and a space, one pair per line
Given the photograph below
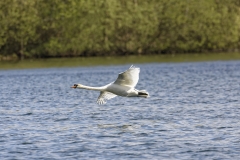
133, 67
101, 102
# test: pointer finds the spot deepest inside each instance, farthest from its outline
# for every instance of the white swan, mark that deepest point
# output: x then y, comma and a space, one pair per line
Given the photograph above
123, 86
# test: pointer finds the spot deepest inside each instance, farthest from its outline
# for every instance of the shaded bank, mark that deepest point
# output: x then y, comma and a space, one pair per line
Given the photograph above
115, 60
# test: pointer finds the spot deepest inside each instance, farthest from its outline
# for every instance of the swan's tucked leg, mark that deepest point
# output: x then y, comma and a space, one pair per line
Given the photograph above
143, 93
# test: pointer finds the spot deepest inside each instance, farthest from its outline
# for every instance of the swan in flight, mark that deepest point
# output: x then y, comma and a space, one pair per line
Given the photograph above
123, 86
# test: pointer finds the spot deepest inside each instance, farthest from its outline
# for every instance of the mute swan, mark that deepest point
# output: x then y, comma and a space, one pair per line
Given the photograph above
123, 86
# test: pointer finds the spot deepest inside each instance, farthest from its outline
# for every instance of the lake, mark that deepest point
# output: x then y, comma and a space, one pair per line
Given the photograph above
193, 112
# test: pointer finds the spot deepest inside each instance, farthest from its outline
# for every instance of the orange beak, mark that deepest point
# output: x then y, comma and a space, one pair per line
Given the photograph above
74, 87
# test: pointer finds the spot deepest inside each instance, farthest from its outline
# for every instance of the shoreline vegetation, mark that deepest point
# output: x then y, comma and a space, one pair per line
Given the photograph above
115, 60
39, 29
43, 33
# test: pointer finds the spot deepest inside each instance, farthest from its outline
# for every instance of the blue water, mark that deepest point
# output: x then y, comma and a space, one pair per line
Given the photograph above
193, 113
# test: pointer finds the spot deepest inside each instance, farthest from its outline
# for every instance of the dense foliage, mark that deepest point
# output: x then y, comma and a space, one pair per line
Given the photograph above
54, 28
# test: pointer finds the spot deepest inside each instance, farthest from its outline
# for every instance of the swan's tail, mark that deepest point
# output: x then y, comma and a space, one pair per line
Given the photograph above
143, 93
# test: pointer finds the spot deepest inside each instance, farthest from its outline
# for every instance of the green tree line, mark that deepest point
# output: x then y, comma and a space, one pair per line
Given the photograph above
64, 28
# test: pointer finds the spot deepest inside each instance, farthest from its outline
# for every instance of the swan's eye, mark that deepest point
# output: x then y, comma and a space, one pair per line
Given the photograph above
75, 85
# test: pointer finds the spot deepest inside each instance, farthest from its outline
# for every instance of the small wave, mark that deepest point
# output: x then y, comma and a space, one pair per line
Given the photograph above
61, 119
27, 114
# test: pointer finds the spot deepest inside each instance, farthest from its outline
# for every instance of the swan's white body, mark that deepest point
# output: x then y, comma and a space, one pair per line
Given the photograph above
123, 86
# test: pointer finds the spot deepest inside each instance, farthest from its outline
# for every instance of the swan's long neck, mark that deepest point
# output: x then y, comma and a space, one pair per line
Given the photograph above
91, 88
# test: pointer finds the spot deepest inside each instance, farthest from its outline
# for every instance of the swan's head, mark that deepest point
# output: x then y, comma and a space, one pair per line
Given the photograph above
76, 86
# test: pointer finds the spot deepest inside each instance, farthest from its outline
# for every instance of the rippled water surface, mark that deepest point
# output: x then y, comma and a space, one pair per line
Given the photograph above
193, 113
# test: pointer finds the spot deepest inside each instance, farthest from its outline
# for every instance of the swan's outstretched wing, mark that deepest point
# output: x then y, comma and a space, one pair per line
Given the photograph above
129, 77
105, 96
